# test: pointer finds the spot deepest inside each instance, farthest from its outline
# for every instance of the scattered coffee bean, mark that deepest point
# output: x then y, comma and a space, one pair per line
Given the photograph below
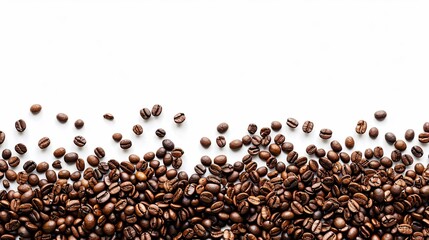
20, 148
235, 144
205, 142
426, 127
417, 151
252, 128
108, 116
222, 127
160, 132
400, 145
307, 127
125, 143
117, 137
44, 142
409, 135
179, 118
6, 153
361, 127
220, 141
138, 129
2, 137
325, 133
292, 122
276, 126
380, 115
79, 141
145, 113
62, 117
20, 125
424, 137
79, 124
390, 138
35, 108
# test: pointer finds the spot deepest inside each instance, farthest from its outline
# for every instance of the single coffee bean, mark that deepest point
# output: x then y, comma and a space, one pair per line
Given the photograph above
62, 117
200, 169
179, 118
292, 122
145, 113
6, 153
308, 126
125, 143
390, 138
361, 127
29, 166
373, 132
409, 135
51, 176
79, 141
160, 132
276, 125
20, 148
93, 160
424, 137
417, 151
56, 164
222, 127
71, 157
6, 184
44, 142
206, 160
426, 127
2, 137
400, 145
380, 115
235, 144
80, 164
20, 125
59, 152
78, 124
3, 166
168, 144
138, 129
99, 152
325, 133
252, 128
35, 108
14, 161
117, 137
108, 116
156, 110
205, 142
220, 141
407, 159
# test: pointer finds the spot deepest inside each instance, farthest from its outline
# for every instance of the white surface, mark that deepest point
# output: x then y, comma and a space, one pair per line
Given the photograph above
332, 62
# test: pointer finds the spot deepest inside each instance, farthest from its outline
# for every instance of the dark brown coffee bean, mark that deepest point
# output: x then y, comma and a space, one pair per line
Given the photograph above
325, 133
252, 128
2, 137
405, 229
3, 166
276, 125
138, 129
205, 142
235, 144
145, 113
93, 160
62, 117
44, 142
426, 127
200, 169
361, 127
417, 151
29, 166
6, 183
400, 145
14, 161
35, 108
20, 148
179, 118
399, 168
57, 164
156, 110
424, 137
59, 152
79, 141
125, 143
292, 122
380, 115
80, 164
42, 167
99, 152
222, 127
220, 141
311, 149
373, 132
307, 127
390, 138
117, 137
160, 132
51, 176
20, 125
108, 116
407, 159
409, 135
71, 157
6, 153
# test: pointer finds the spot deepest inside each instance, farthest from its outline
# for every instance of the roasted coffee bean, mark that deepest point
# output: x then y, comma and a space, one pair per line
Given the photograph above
20, 125
235, 144
361, 127
424, 137
292, 122
79, 141
325, 133
108, 116
20, 148
80, 164
276, 126
373, 132
409, 135
62, 117
265, 132
93, 160
138, 129
35, 108
400, 145
145, 113
117, 137
390, 138
380, 115
205, 142
79, 123
59, 152
417, 151
222, 127
160, 132
2, 137
57, 164
200, 169
14, 161
220, 141
179, 118
29, 166
44, 142
156, 110
308, 126
252, 128
125, 143
6, 154
71, 157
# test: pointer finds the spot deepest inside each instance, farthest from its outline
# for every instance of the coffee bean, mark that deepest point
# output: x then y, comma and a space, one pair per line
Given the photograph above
80, 164
29, 166
20, 125
35, 108
307, 127
51, 176
400, 145
117, 137
145, 113
405, 229
14, 161
125, 143
3, 166
417, 151
380, 115
325, 133
99, 152
2, 137
57, 164
179, 118
222, 127
79, 141
71, 157
276, 125
361, 127
390, 137
78, 124
6, 153
373, 132
108, 116
138, 129
252, 128
424, 137
160, 132
292, 122
44, 142
20, 148
62, 117
409, 135
220, 141
200, 169
235, 144
205, 142
93, 160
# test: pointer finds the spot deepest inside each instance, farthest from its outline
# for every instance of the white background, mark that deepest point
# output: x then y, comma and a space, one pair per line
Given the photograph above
332, 62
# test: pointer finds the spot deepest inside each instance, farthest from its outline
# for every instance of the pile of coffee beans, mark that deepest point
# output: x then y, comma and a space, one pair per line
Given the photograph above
329, 194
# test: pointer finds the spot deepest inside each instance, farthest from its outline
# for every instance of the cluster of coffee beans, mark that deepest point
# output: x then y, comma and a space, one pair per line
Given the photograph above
327, 194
